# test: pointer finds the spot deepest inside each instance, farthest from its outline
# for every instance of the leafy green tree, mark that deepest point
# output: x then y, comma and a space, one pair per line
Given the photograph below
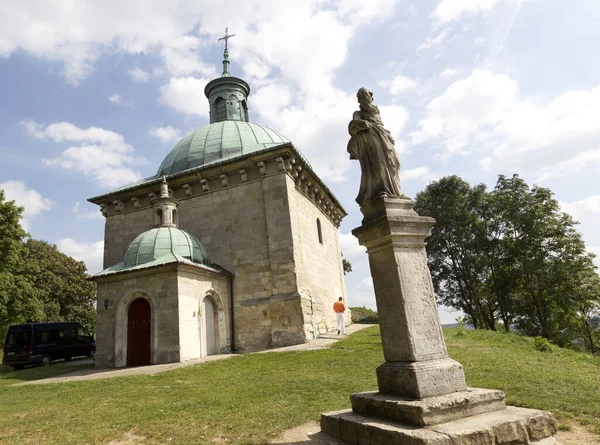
18, 301
61, 285
547, 254
454, 250
511, 256
346, 265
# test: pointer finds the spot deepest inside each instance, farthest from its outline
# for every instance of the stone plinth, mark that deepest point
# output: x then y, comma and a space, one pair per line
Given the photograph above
422, 398
509, 426
429, 411
417, 363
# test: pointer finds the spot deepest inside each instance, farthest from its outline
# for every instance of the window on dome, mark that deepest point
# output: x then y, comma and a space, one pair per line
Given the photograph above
221, 108
174, 217
244, 111
158, 218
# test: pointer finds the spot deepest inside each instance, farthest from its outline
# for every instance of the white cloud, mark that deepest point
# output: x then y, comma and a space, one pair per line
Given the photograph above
448, 72
484, 112
368, 282
115, 99
79, 36
82, 214
139, 75
351, 249
415, 173
166, 134
399, 84
452, 10
91, 254
32, 201
301, 54
589, 206
101, 154
479, 101
432, 41
186, 95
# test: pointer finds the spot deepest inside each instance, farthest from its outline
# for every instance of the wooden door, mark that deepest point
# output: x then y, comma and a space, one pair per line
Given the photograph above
138, 333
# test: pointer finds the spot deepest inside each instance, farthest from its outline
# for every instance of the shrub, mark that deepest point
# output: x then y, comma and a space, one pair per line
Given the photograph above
362, 315
542, 344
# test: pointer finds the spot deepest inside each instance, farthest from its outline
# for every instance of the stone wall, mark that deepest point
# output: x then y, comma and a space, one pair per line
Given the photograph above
194, 286
320, 272
159, 287
255, 219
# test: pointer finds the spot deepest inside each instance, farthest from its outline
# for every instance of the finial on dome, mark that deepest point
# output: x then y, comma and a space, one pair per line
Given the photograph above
226, 37
164, 187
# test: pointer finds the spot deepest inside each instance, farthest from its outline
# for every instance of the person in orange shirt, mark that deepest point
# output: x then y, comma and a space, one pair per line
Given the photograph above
339, 308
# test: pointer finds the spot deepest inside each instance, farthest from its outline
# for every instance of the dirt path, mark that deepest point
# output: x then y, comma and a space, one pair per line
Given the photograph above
92, 374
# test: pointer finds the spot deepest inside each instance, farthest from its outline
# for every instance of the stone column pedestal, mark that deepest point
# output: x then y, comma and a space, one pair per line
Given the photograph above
423, 397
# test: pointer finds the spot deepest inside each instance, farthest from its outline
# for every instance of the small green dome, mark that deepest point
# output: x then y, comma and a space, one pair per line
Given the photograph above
162, 241
219, 141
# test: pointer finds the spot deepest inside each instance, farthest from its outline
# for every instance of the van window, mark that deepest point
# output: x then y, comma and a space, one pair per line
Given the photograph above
47, 337
70, 334
83, 333
17, 338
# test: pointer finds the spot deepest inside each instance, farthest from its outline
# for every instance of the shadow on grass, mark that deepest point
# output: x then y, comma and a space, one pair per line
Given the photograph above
9, 376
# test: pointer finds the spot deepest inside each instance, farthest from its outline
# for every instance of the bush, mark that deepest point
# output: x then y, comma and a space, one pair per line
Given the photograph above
542, 344
362, 315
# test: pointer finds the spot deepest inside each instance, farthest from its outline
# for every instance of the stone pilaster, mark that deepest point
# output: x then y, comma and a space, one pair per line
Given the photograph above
417, 363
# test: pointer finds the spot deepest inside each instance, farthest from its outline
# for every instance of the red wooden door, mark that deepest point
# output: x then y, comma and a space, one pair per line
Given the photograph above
138, 333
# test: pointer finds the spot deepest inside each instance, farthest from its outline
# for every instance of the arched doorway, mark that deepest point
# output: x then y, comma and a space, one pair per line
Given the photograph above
209, 334
138, 333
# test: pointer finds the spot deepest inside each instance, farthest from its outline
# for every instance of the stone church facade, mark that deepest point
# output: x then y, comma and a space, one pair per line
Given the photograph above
268, 227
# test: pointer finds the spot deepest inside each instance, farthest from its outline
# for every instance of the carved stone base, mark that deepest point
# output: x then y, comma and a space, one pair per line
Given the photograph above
509, 426
429, 411
418, 380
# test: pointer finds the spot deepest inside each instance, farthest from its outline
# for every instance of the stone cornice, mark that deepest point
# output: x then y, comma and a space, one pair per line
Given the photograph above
251, 168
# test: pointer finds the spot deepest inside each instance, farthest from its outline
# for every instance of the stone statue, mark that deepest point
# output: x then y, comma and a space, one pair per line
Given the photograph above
373, 146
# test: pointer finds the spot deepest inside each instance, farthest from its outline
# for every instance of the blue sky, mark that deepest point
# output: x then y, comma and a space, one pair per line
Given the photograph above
94, 95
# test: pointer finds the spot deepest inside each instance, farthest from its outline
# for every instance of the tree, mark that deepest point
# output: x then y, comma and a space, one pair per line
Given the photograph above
18, 302
346, 265
454, 249
547, 254
61, 285
511, 256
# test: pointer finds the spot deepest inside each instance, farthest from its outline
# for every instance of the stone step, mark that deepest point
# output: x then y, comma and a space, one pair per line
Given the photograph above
428, 411
510, 426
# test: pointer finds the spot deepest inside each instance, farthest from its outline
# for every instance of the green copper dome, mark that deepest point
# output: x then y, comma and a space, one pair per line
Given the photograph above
219, 141
164, 241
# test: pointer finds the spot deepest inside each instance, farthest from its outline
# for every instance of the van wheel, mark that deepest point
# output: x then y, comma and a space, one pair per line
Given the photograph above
91, 354
46, 360
18, 367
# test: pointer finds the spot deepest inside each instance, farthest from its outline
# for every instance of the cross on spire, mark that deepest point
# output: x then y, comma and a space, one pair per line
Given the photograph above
226, 37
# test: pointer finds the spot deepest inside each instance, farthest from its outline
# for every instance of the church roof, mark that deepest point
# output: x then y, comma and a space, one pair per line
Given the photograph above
217, 142
162, 245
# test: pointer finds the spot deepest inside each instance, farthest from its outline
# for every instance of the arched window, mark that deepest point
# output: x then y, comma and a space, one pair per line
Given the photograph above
159, 217
221, 108
174, 217
319, 232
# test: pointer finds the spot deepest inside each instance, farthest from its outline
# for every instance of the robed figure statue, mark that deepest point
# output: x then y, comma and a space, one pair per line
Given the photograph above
373, 146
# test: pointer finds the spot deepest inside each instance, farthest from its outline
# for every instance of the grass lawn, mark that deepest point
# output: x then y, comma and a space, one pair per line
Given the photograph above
250, 399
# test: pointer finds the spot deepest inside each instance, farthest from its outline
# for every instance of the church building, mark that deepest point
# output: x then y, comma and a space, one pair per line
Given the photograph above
231, 246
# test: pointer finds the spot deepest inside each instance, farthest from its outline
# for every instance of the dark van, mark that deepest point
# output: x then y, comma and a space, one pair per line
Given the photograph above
40, 343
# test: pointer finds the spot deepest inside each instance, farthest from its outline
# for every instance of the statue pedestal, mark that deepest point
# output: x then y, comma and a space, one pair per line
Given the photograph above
423, 397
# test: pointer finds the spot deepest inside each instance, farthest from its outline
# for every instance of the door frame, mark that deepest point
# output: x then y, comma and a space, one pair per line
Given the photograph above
121, 326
